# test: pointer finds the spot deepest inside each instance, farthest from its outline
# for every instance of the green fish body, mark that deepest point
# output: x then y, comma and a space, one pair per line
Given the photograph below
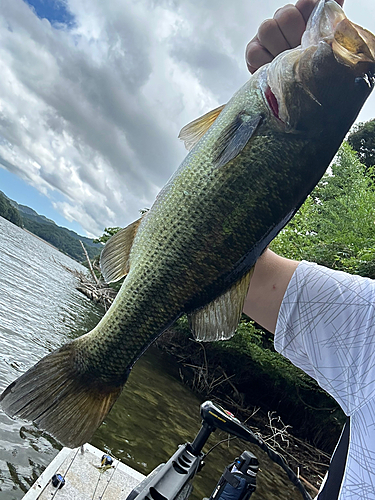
251, 165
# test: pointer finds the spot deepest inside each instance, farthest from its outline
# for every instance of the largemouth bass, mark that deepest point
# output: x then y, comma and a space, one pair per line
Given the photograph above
251, 165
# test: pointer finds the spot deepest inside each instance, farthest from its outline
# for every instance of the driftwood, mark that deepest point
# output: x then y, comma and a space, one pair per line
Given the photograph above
89, 263
94, 288
99, 292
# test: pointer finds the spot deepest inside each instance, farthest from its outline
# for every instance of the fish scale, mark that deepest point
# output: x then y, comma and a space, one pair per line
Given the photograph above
251, 165
170, 281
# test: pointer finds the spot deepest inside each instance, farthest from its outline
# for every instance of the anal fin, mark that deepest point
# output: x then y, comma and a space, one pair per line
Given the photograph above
219, 319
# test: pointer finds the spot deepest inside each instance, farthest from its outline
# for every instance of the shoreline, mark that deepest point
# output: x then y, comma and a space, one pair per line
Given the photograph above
41, 239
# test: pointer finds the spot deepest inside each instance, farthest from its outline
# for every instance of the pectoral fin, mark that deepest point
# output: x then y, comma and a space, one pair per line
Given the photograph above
234, 138
218, 320
114, 259
196, 129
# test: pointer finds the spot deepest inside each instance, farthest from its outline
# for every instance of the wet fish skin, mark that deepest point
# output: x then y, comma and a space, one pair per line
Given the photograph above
171, 269
239, 185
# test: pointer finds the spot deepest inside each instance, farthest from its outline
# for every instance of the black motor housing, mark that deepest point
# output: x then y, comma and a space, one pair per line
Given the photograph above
238, 481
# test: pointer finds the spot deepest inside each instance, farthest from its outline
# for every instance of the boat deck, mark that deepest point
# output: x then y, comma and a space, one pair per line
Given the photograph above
85, 479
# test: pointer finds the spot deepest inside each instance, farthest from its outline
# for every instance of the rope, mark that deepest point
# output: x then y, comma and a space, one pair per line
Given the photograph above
109, 480
99, 478
66, 472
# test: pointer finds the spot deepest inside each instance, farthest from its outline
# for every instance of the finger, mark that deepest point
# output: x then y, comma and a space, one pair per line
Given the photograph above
307, 6
256, 55
251, 69
291, 24
271, 37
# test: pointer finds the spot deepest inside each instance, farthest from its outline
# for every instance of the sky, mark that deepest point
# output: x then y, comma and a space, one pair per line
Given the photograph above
94, 93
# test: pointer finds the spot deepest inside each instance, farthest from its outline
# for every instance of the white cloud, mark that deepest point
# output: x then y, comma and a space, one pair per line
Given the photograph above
93, 110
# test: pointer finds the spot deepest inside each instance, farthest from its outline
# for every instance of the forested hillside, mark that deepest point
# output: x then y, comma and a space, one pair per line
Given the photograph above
62, 238
8, 211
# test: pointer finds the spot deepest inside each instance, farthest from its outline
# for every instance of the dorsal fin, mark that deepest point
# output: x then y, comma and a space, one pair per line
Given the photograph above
114, 259
196, 129
218, 320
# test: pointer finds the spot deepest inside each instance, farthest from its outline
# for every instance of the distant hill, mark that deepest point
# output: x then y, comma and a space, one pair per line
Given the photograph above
8, 211
64, 239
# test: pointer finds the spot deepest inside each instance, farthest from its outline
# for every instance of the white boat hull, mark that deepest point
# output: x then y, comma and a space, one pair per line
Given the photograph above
84, 479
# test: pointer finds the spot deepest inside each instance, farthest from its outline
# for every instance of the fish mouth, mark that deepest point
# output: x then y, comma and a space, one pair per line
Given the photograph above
328, 28
351, 44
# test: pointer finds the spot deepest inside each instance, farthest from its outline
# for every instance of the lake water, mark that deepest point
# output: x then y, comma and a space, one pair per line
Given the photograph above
40, 309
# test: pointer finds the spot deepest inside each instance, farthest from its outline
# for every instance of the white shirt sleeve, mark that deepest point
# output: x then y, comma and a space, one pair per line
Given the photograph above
326, 327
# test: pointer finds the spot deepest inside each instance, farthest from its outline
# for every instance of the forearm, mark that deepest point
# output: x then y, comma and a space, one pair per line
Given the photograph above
267, 287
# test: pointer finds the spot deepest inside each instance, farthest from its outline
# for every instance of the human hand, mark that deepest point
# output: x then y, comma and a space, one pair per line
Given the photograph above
284, 31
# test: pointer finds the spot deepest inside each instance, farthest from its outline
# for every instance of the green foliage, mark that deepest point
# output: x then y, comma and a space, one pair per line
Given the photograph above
111, 231
268, 364
336, 225
108, 233
362, 140
257, 345
9, 212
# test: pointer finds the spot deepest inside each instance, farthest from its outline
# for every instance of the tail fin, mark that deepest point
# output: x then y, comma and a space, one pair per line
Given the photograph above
59, 399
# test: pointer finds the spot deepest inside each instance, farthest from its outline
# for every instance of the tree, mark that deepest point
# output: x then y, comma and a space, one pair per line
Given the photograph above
108, 233
336, 225
9, 212
111, 231
362, 140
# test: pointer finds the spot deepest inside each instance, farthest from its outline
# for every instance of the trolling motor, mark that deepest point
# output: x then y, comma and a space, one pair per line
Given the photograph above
238, 481
172, 480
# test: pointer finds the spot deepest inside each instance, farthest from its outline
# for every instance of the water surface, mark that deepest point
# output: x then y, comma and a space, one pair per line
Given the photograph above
40, 309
